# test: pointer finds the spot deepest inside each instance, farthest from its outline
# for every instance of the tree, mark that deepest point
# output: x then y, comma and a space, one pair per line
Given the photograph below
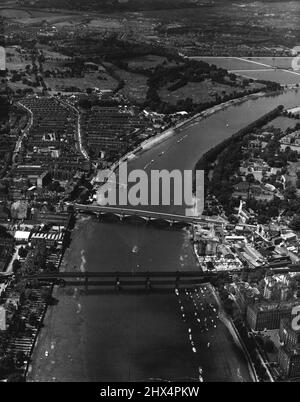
22, 252
262, 219
16, 266
290, 193
33, 320
250, 178
20, 357
54, 186
295, 224
7, 366
50, 267
269, 346
233, 219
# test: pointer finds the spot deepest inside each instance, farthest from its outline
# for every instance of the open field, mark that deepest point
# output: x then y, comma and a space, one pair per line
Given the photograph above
30, 16
280, 76
199, 92
260, 68
148, 62
51, 19
104, 23
135, 85
15, 61
234, 63
280, 62
53, 56
90, 80
14, 13
283, 123
248, 63
15, 86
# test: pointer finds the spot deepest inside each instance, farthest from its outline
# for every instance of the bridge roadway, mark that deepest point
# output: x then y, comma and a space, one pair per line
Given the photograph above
145, 214
114, 274
124, 278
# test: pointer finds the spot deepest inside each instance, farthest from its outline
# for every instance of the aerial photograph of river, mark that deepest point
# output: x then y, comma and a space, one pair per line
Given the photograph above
135, 335
149, 194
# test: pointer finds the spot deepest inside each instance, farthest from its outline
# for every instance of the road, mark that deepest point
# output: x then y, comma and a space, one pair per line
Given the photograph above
78, 131
25, 132
14, 257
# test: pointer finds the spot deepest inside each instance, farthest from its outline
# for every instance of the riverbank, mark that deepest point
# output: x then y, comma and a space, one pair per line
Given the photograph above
61, 357
210, 156
165, 135
235, 334
196, 119
59, 353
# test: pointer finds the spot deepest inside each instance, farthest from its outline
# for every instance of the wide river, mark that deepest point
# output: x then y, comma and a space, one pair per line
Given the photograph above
133, 335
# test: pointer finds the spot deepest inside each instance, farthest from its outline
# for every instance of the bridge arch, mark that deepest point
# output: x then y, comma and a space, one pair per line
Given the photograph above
136, 219
109, 216
160, 222
145, 214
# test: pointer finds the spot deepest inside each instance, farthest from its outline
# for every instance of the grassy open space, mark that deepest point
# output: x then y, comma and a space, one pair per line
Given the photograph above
29, 16
259, 68
283, 123
248, 63
280, 76
233, 63
149, 62
90, 80
135, 85
198, 91
280, 62
14, 13
15, 60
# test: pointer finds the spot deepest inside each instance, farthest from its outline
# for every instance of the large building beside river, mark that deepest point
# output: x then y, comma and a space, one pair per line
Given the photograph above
289, 353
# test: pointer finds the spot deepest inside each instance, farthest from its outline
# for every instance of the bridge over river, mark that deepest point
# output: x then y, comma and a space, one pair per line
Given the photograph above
147, 215
126, 279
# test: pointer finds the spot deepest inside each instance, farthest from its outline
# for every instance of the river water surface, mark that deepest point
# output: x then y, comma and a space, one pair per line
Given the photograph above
102, 335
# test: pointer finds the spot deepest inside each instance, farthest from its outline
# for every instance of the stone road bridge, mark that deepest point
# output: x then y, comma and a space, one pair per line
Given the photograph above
144, 214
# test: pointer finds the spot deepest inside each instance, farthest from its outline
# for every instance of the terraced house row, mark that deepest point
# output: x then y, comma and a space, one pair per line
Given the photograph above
110, 129
51, 143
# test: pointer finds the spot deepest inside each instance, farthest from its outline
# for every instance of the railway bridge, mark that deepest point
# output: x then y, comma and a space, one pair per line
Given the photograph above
124, 279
